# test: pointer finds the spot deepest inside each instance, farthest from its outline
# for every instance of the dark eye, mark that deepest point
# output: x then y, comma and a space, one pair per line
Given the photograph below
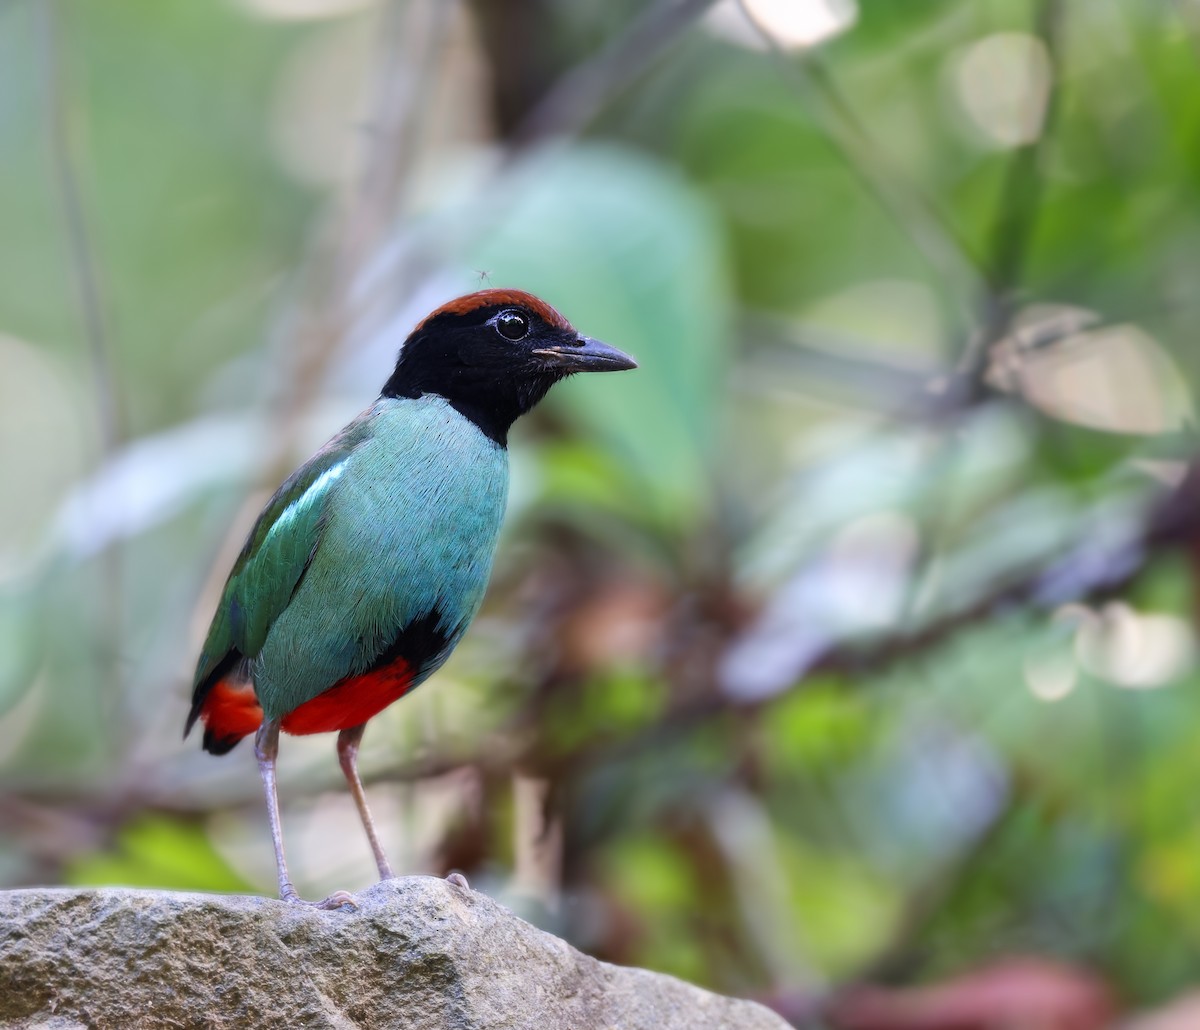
512, 325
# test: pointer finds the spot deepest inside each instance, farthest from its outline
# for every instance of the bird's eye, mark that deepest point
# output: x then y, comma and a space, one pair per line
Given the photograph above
512, 325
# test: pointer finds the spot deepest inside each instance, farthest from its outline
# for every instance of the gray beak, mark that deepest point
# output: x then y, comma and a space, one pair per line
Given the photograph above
586, 355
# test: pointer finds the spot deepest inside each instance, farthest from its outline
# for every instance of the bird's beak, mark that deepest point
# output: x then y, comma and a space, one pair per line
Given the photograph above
585, 355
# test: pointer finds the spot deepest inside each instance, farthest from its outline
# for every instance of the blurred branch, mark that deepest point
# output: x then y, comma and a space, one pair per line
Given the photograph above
321, 310
914, 212
83, 263
109, 407
399, 108
835, 366
1014, 221
1012, 229
1096, 569
579, 95
929, 900
1021, 192
57, 822
412, 39
989, 285
748, 844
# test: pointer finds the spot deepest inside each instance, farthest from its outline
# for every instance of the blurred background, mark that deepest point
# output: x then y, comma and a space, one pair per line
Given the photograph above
840, 657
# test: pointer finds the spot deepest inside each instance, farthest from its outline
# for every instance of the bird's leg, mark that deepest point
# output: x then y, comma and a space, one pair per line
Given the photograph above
266, 747
347, 749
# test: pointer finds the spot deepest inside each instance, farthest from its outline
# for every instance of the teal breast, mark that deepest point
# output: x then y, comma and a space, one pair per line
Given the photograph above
410, 523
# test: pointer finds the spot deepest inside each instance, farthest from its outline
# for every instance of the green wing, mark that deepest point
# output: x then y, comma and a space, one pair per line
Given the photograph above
270, 567
380, 545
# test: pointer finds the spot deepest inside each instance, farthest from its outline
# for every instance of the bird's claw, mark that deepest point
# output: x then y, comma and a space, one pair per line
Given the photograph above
335, 900
457, 879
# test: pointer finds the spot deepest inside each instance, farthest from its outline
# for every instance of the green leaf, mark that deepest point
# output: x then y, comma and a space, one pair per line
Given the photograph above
632, 256
158, 852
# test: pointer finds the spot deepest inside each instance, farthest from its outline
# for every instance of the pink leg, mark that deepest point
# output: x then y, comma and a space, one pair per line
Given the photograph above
266, 747
347, 749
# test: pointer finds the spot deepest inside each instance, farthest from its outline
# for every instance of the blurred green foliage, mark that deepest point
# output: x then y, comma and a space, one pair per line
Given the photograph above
772, 630
150, 852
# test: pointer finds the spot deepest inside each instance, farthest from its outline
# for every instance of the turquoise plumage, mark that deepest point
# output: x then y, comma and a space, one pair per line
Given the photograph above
394, 521
396, 545
367, 566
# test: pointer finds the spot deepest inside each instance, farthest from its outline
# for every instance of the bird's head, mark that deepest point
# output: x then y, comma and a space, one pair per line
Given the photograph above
493, 355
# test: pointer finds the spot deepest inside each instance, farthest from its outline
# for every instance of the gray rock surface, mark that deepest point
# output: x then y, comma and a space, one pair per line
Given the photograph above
419, 953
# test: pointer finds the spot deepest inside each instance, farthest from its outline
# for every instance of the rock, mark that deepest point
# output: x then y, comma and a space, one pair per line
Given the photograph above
419, 953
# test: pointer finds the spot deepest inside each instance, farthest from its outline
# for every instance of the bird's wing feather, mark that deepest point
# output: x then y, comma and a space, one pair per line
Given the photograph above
378, 548
271, 564
403, 561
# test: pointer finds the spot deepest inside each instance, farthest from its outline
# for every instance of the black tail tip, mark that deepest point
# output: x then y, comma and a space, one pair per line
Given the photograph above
215, 745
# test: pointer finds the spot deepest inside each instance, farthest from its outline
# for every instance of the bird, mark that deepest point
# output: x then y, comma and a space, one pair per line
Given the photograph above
365, 568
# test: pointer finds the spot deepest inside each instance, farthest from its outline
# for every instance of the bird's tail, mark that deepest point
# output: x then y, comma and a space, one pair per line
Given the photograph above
229, 709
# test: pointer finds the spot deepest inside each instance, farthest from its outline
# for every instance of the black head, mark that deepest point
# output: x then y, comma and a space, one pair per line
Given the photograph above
493, 355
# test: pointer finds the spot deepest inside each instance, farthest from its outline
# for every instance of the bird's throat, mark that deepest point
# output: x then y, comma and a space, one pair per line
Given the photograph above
491, 405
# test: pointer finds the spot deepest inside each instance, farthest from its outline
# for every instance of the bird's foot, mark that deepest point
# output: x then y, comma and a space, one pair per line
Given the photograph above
335, 900
457, 879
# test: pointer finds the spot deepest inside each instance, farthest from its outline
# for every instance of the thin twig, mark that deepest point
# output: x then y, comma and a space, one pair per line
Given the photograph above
915, 213
933, 897
582, 92
1012, 230
402, 103
778, 355
1015, 218
92, 310
322, 307
83, 264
